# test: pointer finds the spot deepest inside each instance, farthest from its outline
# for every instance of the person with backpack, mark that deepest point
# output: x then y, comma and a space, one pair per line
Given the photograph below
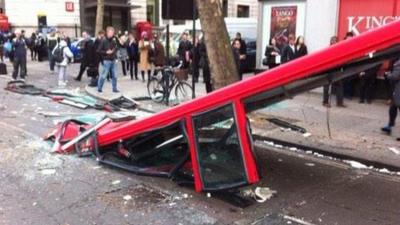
19, 45
62, 55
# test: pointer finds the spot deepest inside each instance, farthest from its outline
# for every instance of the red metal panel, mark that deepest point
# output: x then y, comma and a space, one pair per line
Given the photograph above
250, 162
316, 62
193, 154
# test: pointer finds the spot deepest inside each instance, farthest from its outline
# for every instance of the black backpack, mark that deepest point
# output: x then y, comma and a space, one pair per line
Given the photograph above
58, 54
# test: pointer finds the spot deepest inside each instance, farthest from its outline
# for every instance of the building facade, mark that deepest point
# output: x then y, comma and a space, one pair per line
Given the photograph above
33, 15
318, 20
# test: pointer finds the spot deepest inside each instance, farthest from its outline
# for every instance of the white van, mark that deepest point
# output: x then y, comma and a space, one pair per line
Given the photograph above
246, 26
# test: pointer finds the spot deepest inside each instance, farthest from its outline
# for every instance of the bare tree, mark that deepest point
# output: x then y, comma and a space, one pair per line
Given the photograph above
99, 15
220, 54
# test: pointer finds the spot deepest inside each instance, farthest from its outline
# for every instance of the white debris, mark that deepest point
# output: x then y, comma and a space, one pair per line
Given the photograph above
34, 204
213, 156
127, 197
126, 215
296, 220
48, 171
278, 146
209, 195
306, 135
293, 149
263, 194
355, 164
280, 160
394, 150
310, 164
309, 152
116, 182
185, 195
384, 170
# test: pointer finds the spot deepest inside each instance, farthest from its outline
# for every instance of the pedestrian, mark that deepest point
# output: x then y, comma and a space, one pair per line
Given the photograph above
348, 84
184, 49
288, 51
272, 54
32, 43
336, 87
41, 48
86, 47
122, 53
19, 45
393, 78
242, 54
195, 56
236, 55
144, 51
2, 42
158, 55
62, 56
95, 59
52, 41
205, 65
133, 54
367, 80
108, 51
300, 48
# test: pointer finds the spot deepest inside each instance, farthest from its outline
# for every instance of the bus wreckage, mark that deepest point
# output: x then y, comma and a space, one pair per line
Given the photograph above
207, 142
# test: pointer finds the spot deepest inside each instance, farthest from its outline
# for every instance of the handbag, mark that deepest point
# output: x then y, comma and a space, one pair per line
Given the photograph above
265, 61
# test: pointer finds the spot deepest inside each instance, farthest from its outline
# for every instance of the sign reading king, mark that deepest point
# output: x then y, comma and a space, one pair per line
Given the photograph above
360, 16
69, 6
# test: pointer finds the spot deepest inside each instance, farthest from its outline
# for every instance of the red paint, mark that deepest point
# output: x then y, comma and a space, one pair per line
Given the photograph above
193, 155
360, 16
250, 163
317, 62
69, 7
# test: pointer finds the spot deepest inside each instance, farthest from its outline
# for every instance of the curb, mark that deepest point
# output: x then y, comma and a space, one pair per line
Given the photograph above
103, 97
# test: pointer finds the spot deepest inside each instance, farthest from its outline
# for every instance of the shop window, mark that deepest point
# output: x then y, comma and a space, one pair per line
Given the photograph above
218, 149
243, 11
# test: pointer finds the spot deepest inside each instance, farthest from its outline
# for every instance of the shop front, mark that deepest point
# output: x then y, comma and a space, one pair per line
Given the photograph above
318, 20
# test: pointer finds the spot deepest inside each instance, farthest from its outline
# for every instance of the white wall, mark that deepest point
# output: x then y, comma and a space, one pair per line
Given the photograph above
317, 21
321, 23
25, 12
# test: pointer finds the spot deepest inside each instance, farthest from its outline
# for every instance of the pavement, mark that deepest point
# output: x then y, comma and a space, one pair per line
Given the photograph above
42, 188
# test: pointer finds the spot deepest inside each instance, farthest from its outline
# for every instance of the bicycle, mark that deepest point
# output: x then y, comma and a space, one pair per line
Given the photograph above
172, 78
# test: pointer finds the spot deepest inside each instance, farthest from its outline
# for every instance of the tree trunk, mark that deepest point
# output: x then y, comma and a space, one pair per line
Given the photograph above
219, 50
99, 15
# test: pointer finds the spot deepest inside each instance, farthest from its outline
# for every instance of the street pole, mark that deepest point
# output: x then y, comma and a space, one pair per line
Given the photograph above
194, 54
167, 35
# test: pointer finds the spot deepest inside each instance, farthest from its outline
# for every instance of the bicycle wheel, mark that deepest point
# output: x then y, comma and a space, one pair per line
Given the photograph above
155, 90
183, 92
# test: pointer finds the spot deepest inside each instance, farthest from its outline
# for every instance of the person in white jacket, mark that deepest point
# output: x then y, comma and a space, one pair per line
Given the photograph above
62, 66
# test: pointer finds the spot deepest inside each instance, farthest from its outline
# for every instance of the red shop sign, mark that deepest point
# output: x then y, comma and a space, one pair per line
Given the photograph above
69, 6
360, 16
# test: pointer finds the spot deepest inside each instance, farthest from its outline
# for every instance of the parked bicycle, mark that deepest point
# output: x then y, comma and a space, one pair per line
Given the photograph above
171, 80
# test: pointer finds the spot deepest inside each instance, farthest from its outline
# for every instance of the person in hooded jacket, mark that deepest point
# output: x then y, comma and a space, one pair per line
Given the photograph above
62, 66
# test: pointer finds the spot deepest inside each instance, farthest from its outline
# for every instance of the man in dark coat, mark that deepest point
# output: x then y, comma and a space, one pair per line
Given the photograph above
88, 51
133, 55
288, 51
19, 45
108, 52
242, 55
394, 78
205, 64
184, 50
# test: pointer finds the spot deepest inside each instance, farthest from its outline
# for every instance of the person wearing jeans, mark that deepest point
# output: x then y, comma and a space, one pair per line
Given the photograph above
19, 44
109, 66
108, 50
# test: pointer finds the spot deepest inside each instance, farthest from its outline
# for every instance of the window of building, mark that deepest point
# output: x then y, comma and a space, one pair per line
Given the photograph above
243, 11
225, 8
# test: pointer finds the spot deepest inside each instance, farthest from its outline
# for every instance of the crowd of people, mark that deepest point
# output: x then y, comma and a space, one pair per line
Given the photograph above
146, 54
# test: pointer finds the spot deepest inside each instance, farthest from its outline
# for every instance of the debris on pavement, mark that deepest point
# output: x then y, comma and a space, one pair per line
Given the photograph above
394, 150
287, 125
296, 220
